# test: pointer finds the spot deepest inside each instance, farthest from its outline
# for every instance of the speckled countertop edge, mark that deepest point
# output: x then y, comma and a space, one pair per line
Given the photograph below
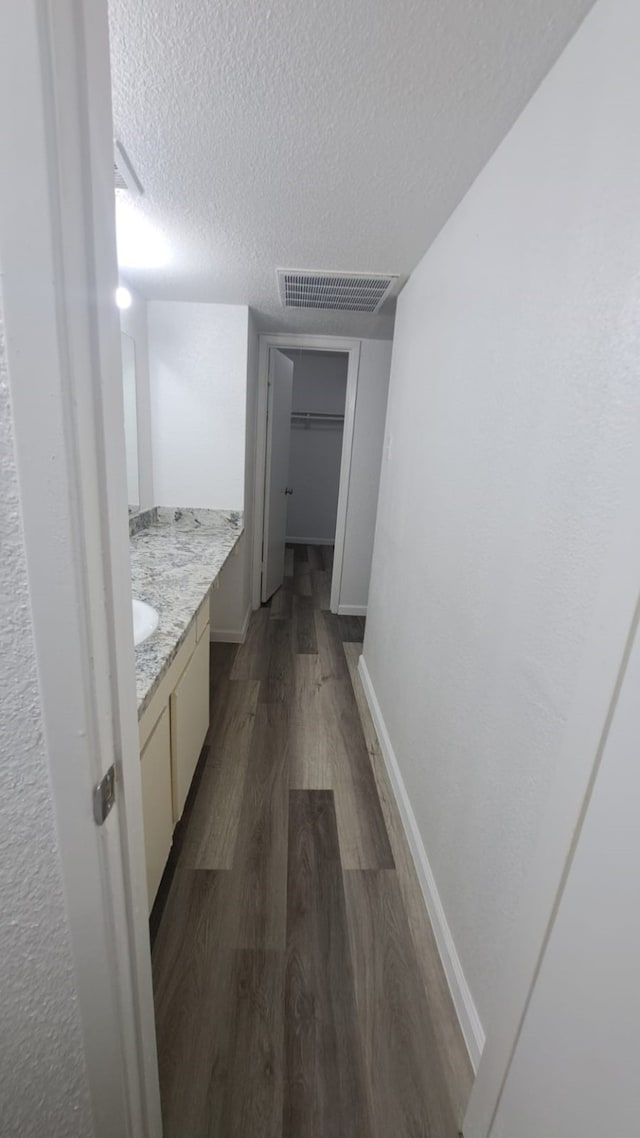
174, 562
142, 519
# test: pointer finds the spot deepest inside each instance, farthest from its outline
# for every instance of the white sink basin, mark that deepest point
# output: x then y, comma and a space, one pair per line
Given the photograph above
145, 620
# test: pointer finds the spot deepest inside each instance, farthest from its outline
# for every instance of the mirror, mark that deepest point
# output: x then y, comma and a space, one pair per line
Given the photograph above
130, 420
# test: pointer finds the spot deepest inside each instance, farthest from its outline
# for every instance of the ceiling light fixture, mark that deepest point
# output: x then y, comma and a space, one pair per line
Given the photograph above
140, 244
123, 297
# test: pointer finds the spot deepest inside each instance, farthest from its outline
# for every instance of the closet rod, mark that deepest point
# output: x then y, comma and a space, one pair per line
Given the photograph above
317, 415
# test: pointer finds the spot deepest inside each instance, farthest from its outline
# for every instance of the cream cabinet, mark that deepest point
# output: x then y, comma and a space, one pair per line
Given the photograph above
189, 721
157, 807
172, 731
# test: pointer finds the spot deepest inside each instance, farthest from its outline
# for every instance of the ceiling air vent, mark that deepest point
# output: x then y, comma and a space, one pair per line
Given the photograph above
124, 175
344, 292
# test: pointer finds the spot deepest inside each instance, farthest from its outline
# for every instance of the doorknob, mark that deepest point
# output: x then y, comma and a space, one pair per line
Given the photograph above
288, 490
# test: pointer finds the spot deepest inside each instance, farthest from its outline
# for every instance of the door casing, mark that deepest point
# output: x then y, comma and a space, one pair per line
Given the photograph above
59, 274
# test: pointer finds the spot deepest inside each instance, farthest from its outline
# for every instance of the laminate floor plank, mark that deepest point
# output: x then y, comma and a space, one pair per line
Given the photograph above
324, 1079
180, 832
364, 841
351, 628
321, 588
302, 585
221, 660
288, 561
251, 661
281, 604
258, 878
277, 684
408, 1093
300, 555
330, 647
312, 762
327, 557
253, 1102
314, 556
453, 1053
328, 751
306, 640
191, 972
209, 839
352, 653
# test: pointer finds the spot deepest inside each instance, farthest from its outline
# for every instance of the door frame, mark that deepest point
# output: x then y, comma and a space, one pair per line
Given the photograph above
59, 274
268, 467
288, 341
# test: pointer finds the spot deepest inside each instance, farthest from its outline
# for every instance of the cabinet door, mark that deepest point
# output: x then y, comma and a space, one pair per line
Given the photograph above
189, 722
155, 770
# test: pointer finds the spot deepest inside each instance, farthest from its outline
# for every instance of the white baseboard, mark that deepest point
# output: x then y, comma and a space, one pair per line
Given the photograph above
352, 610
232, 635
466, 1011
309, 541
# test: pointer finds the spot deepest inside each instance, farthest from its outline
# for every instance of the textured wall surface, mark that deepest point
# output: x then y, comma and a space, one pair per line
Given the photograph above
307, 135
513, 406
43, 1083
366, 459
198, 376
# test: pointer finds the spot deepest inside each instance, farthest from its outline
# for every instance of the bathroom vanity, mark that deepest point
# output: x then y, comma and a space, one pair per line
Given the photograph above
176, 556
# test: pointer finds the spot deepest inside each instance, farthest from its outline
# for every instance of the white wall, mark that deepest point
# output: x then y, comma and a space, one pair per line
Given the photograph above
231, 601
366, 459
513, 413
319, 384
133, 322
198, 375
203, 363
575, 1068
43, 1078
130, 406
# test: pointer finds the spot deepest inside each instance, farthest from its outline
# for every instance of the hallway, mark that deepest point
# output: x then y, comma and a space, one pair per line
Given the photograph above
297, 984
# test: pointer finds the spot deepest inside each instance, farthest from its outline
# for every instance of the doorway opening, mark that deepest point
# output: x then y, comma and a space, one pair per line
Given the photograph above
315, 446
306, 412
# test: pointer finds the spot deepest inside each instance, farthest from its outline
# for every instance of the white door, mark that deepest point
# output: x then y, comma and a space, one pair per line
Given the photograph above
575, 1068
277, 471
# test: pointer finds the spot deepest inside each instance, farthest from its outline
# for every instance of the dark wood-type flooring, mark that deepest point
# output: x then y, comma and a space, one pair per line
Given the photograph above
298, 989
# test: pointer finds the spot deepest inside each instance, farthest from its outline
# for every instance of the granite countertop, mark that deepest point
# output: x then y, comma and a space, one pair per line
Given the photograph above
174, 562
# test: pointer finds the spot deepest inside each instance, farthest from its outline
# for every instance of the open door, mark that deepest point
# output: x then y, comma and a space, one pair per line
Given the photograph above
277, 471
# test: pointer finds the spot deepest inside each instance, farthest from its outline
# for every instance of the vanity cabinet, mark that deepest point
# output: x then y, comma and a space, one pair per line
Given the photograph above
171, 733
189, 704
157, 812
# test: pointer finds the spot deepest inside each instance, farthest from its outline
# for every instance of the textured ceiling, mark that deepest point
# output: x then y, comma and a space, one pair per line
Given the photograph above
315, 134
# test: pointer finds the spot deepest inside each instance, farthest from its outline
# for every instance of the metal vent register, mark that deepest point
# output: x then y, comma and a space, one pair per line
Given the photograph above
347, 292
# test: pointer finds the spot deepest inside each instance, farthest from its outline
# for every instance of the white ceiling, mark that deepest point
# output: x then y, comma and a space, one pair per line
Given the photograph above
314, 134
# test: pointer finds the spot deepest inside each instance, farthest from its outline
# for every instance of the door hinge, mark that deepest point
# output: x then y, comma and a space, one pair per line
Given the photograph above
104, 796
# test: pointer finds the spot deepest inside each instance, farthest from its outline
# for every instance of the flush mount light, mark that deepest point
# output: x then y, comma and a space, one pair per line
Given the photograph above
123, 297
140, 245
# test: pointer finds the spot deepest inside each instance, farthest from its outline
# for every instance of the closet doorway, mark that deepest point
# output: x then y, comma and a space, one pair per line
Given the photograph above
307, 396
315, 448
